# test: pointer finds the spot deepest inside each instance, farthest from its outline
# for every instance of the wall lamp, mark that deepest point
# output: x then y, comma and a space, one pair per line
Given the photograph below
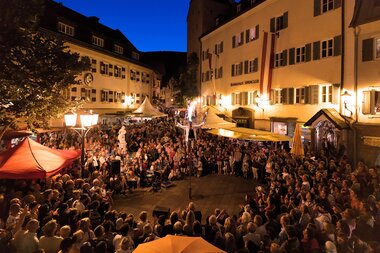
345, 97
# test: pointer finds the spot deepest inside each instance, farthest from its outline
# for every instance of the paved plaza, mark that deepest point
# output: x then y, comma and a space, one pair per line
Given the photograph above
209, 192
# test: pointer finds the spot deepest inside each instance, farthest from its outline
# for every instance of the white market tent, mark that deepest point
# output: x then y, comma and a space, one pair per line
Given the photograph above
213, 121
147, 110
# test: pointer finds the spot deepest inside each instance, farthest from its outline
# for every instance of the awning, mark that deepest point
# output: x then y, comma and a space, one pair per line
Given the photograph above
249, 134
332, 115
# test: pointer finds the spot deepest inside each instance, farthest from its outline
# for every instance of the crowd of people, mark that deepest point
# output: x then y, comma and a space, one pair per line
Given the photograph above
315, 203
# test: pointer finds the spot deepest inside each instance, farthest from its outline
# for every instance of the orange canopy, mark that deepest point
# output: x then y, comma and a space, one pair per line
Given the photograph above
31, 160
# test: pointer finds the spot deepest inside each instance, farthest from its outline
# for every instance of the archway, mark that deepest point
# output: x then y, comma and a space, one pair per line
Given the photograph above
243, 117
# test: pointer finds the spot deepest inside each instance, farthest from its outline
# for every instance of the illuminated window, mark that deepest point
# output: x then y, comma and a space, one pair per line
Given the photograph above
66, 29
118, 49
135, 55
104, 68
326, 94
97, 41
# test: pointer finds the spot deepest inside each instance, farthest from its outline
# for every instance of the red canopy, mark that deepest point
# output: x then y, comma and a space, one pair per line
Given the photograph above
31, 160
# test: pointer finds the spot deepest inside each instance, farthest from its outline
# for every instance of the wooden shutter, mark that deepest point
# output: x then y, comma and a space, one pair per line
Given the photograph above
335, 93
271, 97
314, 94
307, 95
308, 52
123, 72
285, 20
245, 67
103, 96
291, 56
337, 45
244, 98
256, 65
216, 49
221, 47
233, 41
317, 8
284, 60
233, 102
102, 71
241, 68
316, 50
246, 36
123, 97
368, 106
241, 38
110, 96
93, 65
367, 49
337, 4
110, 70
257, 32
93, 95
273, 25
284, 95
233, 70
291, 95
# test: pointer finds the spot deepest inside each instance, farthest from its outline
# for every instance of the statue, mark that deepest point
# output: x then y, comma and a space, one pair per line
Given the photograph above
121, 138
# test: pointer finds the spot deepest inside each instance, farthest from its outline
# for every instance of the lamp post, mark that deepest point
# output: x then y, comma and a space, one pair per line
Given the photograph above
87, 121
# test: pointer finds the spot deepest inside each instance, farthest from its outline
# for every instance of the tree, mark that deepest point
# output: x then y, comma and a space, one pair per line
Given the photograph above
188, 79
36, 68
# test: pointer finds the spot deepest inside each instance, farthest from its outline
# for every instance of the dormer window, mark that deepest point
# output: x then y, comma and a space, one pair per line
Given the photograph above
217, 21
97, 41
66, 29
118, 49
135, 55
238, 8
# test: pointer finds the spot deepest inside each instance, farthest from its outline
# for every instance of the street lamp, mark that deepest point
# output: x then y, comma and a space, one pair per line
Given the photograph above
87, 121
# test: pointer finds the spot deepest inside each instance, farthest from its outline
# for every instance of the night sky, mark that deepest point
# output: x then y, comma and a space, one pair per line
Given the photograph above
151, 25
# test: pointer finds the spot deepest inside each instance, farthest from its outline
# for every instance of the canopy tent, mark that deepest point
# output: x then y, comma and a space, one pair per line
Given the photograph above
146, 109
249, 134
31, 160
214, 121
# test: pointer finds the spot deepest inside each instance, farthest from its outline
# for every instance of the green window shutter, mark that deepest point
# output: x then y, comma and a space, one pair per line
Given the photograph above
221, 46
367, 49
110, 72
233, 41
307, 95
242, 38
316, 50
246, 36
271, 97
256, 65
216, 49
337, 45
245, 67
233, 102
102, 71
284, 58
285, 20
335, 93
233, 70
93, 68
308, 52
317, 8
244, 98
368, 106
257, 32
284, 95
273, 25
337, 4
291, 95
291, 56
123, 72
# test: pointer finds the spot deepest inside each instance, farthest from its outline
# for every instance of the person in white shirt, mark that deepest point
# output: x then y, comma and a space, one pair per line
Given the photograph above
49, 242
29, 242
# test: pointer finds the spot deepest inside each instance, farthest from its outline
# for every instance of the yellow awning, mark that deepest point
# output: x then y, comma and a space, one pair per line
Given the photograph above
249, 134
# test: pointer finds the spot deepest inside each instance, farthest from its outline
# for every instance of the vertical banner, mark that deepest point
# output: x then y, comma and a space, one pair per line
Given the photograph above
263, 60
271, 64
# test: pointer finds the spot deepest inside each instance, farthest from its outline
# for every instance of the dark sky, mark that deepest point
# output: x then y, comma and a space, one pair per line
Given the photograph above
151, 25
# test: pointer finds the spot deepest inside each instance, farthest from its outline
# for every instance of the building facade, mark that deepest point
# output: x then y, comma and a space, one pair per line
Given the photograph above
281, 62
117, 80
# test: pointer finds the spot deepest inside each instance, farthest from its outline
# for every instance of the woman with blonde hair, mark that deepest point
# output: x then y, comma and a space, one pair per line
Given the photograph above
49, 241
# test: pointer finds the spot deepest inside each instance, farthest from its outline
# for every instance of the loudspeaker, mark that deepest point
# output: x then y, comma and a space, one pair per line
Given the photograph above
115, 167
160, 210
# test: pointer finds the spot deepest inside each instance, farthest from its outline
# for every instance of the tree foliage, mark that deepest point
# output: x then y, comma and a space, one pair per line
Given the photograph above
36, 67
187, 82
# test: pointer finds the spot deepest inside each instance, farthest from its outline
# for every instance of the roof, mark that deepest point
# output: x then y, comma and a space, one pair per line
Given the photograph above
366, 11
249, 134
332, 115
85, 27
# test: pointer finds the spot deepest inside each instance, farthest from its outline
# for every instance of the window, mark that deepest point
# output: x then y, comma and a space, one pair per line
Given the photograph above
117, 71
277, 97
371, 102
135, 55
236, 98
278, 60
219, 48
252, 66
252, 34
326, 94
66, 29
118, 49
238, 8
93, 65
104, 68
97, 41
218, 73
133, 75
237, 40
85, 94
279, 23
300, 95
300, 54
104, 96
327, 5
378, 48
237, 69
252, 97
327, 48
117, 97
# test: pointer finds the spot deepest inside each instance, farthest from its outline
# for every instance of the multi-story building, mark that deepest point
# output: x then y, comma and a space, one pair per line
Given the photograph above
276, 63
117, 80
